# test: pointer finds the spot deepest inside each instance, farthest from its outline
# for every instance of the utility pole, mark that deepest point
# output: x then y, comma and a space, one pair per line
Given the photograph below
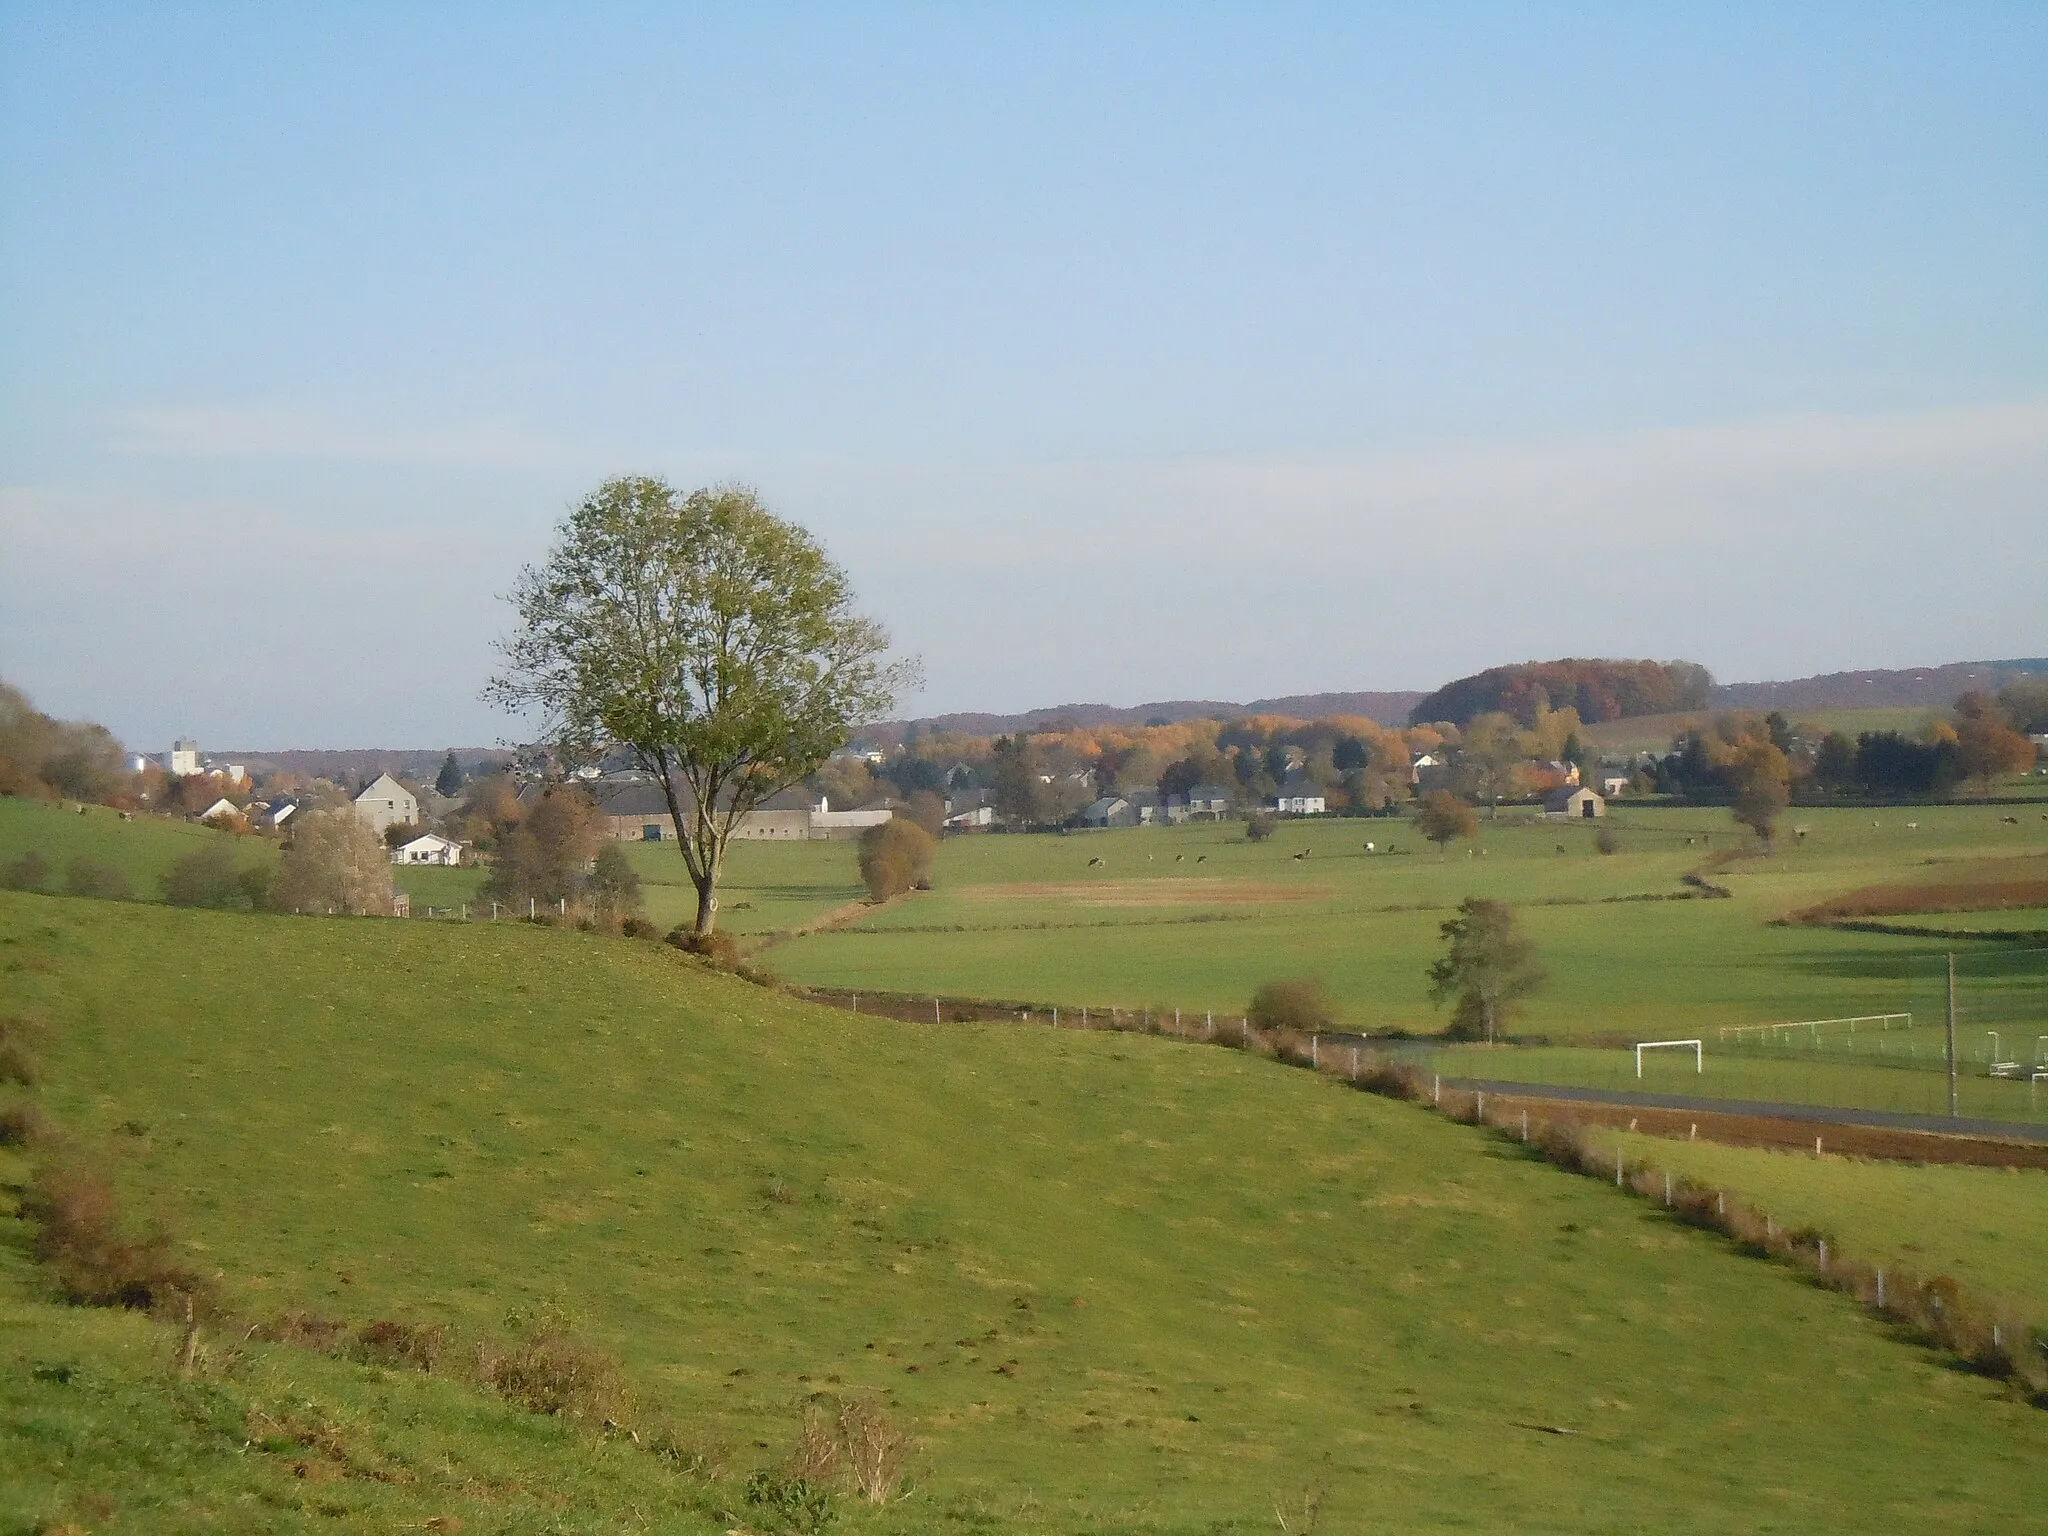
1952, 1037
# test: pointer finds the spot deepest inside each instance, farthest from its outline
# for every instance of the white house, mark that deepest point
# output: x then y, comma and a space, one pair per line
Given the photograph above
1109, 811
428, 848
1614, 784
969, 817
183, 758
387, 803
1300, 796
222, 809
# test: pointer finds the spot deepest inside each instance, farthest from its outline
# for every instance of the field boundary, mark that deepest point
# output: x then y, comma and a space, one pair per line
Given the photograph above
1757, 1109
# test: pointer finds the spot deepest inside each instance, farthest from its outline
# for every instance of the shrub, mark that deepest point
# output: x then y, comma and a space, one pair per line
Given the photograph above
551, 1371
717, 946
876, 1450
1606, 841
1258, 827
205, 877
1299, 1003
613, 885
639, 928
895, 857
22, 1125
88, 876
27, 873
389, 1342
16, 1064
83, 1239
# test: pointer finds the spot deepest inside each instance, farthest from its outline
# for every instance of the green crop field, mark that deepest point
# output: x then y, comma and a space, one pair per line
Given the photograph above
1987, 1227
1113, 1283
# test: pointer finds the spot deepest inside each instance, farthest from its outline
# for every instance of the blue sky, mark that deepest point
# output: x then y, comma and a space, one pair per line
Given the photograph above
1119, 352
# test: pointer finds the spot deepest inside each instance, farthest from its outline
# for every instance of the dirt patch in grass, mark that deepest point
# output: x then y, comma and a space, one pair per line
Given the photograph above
2008, 885
1759, 1131
1164, 892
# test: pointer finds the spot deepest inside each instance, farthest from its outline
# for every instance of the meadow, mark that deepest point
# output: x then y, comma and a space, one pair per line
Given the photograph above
1114, 1283
1988, 1227
1197, 917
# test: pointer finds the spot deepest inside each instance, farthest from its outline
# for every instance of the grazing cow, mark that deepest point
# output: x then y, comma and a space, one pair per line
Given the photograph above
1911, 826
1201, 858
1094, 863
1301, 855
1178, 857
1560, 847
1368, 847
2011, 821
130, 816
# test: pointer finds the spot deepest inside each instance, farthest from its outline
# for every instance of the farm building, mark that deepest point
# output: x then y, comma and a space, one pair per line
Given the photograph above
1110, 811
635, 810
1208, 802
1575, 804
387, 803
428, 848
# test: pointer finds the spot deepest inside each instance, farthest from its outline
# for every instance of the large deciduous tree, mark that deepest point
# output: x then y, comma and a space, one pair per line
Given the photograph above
1443, 818
713, 641
1489, 968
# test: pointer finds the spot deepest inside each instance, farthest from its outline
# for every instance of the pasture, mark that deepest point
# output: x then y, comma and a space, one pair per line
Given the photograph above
1114, 1283
1197, 917
1987, 1227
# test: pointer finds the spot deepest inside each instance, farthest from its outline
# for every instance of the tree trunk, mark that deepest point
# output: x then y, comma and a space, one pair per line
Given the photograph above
707, 903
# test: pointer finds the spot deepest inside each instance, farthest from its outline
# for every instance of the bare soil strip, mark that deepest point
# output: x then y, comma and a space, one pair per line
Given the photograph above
1166, 891
1749, 1130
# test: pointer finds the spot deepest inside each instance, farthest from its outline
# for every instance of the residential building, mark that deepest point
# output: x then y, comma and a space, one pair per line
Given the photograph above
428, 848
1209, 802
1300, 796
387, 803
1109, 811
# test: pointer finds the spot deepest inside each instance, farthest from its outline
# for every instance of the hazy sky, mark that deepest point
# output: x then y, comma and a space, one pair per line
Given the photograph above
1119, 352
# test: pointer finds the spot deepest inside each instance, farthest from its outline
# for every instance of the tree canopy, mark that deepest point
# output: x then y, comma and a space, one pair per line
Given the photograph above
710, 639
1489, 967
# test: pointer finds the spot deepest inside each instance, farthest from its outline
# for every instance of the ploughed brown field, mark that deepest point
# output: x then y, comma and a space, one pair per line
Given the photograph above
1987, 885
1763, 1131
1164, 892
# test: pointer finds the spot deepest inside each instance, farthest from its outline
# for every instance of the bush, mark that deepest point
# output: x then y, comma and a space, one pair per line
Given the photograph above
391, 1343
83, 1239
88, 876
1299, 1003
895, 857
22, 1125
551, 1371
717, 946
613, 885
205, 877
1606, 841
1259, 827
27, 873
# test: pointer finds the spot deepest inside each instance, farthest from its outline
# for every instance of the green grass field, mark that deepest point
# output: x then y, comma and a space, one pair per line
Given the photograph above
1987, 1227
1028, 918
1115, 1283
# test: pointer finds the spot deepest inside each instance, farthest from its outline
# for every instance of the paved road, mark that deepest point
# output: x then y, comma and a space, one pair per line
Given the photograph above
1816, 1113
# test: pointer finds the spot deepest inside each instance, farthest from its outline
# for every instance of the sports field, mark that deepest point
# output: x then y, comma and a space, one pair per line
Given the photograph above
1113, 1283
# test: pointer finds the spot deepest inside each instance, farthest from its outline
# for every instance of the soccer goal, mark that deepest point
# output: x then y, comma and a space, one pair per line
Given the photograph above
1699, 1053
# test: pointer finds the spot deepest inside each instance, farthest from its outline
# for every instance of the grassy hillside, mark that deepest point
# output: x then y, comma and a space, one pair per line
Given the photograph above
1988, 1227
1117, 1284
